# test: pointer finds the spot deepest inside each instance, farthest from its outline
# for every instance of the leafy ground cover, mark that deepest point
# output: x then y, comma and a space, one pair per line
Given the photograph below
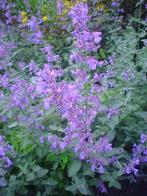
73, 88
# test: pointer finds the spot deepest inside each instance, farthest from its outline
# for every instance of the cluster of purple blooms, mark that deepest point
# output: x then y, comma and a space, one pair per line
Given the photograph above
5, 161
60, 6
33, 31
117, 10
73, 100
6, 8
36, 34
139, 156
84, 40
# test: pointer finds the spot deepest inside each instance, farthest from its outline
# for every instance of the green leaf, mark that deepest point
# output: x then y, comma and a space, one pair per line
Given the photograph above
102, 53
74, 167
52, 182
111, 135
115, 184
113, 122
64, 158
143, 115
14, 124
71, 188
36, 168
42, 173
55, 128
30, 177
38, 194
81, 185
83, 189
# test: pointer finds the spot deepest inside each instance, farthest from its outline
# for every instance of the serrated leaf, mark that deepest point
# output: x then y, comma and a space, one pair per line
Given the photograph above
74, 167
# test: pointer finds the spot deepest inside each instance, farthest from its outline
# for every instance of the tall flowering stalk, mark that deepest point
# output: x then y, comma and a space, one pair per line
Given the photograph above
5, 161
76, 101
84, 40
79, 107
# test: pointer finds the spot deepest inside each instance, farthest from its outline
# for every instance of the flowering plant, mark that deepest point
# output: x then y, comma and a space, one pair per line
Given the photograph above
83, 109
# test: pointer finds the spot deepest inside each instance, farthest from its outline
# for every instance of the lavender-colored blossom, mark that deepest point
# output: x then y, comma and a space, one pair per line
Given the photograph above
143, 138
2, 152
60, 6
33, 67
92, 63
128, 74
33, 23
6, 162
112, 112
21, 65
4, 80
79, 16
21, 93
115, 4
139, 156
102, 188
42, 139
84, 40
47, 50
120, 11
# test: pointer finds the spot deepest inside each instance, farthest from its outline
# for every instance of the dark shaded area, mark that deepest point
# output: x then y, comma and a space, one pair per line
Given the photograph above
134, 189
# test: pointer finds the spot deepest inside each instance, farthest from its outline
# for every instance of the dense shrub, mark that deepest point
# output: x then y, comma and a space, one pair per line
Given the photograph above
73, 82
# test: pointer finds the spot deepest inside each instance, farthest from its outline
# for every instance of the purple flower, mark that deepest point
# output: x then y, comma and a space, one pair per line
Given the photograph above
2, 152
97, 37
112, 112
102, 188
119, 11
42, 139
143, 138
115, 4
4, 80
128, 74
84, 40
49, 54
63, 145
6, 163
33, 23
92, 63
33, 67
60, 6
